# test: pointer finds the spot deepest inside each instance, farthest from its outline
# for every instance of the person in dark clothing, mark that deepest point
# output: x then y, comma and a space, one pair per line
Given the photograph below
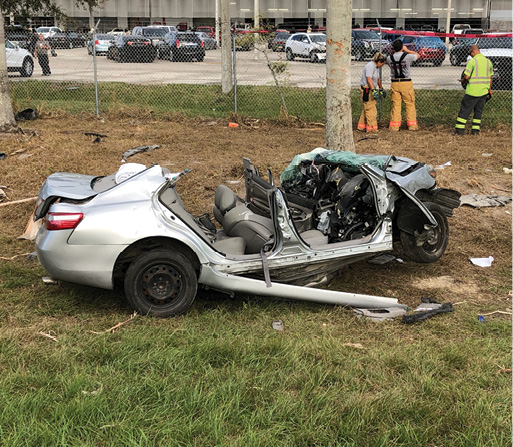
31, 41
41, 53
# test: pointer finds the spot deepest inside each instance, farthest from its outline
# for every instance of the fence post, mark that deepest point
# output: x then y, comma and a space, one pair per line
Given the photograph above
95, 71
234, 37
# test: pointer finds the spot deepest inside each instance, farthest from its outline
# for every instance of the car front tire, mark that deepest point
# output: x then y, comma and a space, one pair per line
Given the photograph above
454, 59
27, 68
290, 54
161, 283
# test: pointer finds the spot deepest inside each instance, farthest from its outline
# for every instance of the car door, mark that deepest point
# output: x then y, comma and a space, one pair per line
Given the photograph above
305, 45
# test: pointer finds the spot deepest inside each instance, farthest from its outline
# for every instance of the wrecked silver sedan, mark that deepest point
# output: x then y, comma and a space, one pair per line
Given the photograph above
333, 208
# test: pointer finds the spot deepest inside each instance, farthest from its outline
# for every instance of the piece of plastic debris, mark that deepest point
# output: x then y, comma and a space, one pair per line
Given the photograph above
386, 313
421, 316
2, 155
382, 259
445, 165
230, 124
26, 115
482, 262
507, 170
479, 201
481, 319
486, 155
427, 306
354, 345
278, 325
138, 149
32, 256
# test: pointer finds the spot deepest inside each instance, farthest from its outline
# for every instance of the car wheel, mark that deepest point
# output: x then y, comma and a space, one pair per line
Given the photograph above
27, 68
161, 283
290, 54
454, 59
314, 58
359, 55
434, 247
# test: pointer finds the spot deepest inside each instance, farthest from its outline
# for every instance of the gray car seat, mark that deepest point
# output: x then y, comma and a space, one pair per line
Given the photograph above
238, 220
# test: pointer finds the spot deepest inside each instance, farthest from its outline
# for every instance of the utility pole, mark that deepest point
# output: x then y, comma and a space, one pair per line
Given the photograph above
448, 22
339, 126
226, 45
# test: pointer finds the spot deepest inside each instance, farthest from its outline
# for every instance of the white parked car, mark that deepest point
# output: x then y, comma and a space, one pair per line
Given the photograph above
19, 59
48, 31
307, 45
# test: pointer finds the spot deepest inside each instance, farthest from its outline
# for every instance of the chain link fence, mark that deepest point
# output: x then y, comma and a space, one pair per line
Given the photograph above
181, 75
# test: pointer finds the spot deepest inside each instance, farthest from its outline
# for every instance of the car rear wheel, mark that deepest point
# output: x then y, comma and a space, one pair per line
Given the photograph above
290, 54
27, 68
435, 242
161, 283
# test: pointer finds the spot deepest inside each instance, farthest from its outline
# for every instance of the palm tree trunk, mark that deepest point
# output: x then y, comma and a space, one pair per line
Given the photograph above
7, 121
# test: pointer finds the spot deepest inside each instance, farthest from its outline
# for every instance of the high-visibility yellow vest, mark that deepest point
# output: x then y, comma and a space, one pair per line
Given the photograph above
480, 70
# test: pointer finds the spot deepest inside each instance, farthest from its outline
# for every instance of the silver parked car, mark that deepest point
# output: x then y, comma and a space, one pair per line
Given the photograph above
334, 208
208, 42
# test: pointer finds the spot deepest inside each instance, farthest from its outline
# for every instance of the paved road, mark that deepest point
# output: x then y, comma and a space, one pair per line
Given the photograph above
77, 65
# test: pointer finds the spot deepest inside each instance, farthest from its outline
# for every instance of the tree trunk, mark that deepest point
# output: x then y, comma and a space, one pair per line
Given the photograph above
7, 121
339, 127
226, 45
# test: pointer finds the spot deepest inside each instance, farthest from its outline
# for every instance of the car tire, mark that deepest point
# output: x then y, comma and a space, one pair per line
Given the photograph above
290, 54
161, 283
433, 248
453, 58
314, 58
359, 55
27, 68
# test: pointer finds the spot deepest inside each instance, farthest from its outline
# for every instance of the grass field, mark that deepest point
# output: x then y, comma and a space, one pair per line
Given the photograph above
220, 375
434, 107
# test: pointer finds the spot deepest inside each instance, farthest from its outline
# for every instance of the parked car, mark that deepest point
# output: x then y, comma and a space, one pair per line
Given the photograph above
100, 44
306, 45
369, 40
182, 47
118, 31
132, 49
430, 49
209, 43
132, 229
67, 39
279, 41
18, 59
210, 31
154, 33
459, 52
48, 31
17, 35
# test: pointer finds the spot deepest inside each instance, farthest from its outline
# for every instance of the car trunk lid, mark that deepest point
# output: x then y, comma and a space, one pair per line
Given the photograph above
63, 185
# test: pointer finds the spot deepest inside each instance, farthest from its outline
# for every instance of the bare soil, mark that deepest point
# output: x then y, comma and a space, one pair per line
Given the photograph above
214, 151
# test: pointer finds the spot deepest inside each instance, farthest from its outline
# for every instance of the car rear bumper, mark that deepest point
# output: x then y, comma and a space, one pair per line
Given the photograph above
90, 265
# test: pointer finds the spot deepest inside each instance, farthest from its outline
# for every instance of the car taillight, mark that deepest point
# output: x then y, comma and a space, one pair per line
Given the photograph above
201, 43
62, 221
96, 42
146, 43
177, 43
129, 43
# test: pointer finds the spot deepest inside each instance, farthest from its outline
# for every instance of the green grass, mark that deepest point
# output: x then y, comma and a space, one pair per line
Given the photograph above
220, 375
434, 107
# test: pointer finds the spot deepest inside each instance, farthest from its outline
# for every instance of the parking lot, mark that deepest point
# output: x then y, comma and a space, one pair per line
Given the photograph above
251, 69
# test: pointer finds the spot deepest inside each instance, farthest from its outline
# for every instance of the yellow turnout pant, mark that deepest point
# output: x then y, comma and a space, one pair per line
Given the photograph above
403, 91
369, 117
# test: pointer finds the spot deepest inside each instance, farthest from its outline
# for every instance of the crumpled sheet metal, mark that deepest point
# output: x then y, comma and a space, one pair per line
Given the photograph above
479, 201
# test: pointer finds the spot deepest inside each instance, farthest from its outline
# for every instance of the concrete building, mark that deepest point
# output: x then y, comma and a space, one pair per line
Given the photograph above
290, 13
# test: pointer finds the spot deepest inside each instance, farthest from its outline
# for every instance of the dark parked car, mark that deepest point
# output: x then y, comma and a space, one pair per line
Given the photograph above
132, 49
459, 52
278, 43
366, 40
430, 49
69, 39
182, 47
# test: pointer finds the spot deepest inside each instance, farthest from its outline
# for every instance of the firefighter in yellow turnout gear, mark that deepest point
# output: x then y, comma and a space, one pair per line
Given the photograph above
369, 83
478, 79
402, 86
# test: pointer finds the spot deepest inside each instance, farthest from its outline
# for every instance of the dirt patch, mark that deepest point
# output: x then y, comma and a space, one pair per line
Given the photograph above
214, 152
